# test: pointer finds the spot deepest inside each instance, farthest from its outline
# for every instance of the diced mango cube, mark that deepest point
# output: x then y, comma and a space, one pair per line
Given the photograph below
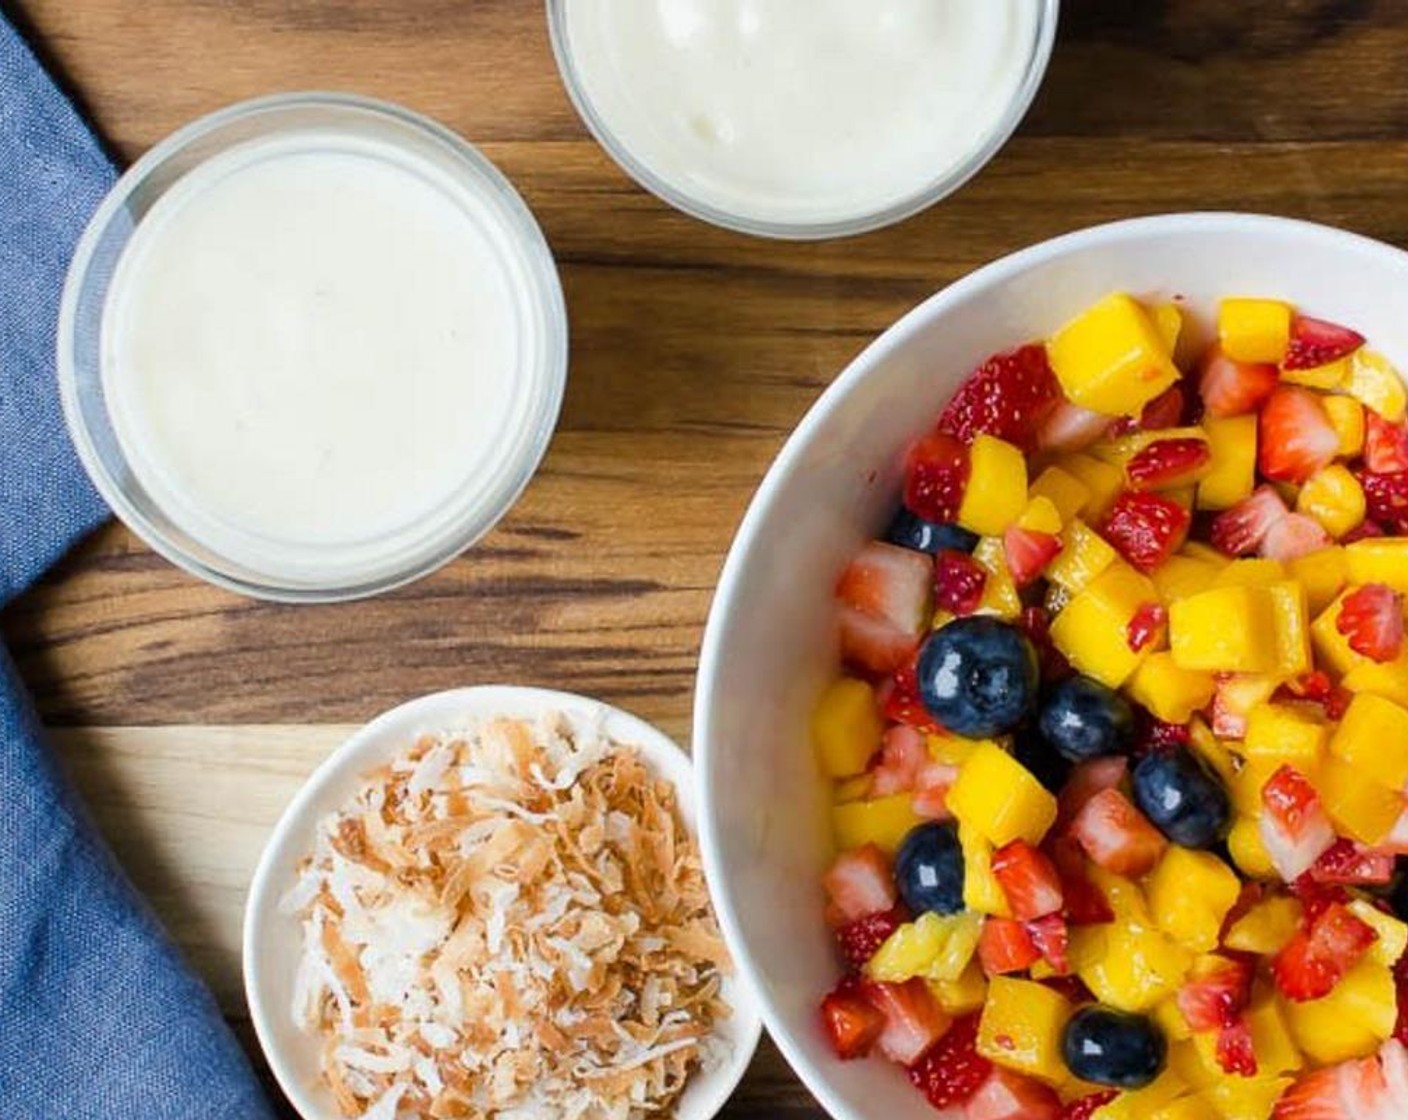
1388, 679
1352, 1021
1224, 630
1103, 480
1272, 1043
1346, 416
1362, 809
997, 486
1376, 384
1212, 751
952, 749
1064, 490
1334, 498
1332, 649
1373, 738
1232, 468
982, 892
846, 727
1137, 1104
1190, 893
856, 788
1184, 1060
1180, 576
1393, 933
1000, 595
1041, 515
1254, 330
1248, 850
1322, 574
1092, 630
1379, 560
998, 797
1246, 1098
966, 994
1186, 1108
1021, 1028
1169, 321
1293, 733
1291, 618
883, 822
1172, 693
934, 946
1266, 927
1111, 358
1171, 1021
1137, 968
1246, 788
1256, 571
1084, 555
1332, 375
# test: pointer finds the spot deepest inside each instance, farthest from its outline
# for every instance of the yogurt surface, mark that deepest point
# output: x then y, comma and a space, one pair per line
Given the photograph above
800, 110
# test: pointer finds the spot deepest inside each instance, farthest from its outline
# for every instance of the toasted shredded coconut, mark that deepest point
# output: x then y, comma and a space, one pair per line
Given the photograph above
509, 922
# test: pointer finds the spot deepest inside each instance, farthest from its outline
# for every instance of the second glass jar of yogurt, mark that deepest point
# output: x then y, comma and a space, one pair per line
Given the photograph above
802, 118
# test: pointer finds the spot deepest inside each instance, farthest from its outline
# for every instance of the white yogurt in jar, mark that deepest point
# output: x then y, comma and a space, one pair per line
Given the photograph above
318, 354
800, 111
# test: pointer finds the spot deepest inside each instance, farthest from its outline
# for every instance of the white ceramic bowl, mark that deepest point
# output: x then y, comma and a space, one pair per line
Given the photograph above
272, 939
770, 644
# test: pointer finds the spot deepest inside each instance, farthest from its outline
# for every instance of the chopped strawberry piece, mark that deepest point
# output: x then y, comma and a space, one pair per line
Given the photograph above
1315, 342
1145, 528
1217, 999
1315, 898
1235, 696
1294, 536
1240, 530
1147, 626
1028, 879
1352, 864
1316, 958
1397, 839
1164, 411
1294, 435
903, 753
900, 703
1154, 734
1294, 826
1365, 530
1231, 388
1386, 500
1071, 987
931, 788
1009, 396
958, 581
1086, 904
1086, 780
1372, 1088
1068, 427
889, 583
1167, 463
1052, 938
1005, 946
1028, 552
1006, 1095
1116, 835
1400, 979
952, 1070
935, 476
851, 1022
859, 883
871, 644
914, 1021
1385, 444
1371, 617
1235, 1052
1083, 1108
859, 940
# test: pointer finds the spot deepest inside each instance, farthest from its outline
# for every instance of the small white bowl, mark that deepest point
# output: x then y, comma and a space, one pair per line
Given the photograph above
770, 644
272, 939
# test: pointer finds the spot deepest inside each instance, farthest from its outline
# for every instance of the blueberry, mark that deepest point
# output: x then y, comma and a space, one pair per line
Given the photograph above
978, 676
909, 530
929, 869
1113, 1048
1035, 753
1183, 797
1082, 719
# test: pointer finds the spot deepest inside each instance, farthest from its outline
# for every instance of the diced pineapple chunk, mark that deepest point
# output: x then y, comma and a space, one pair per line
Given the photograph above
966, 994
1136, 968
1376, 384
934, 946
1346, 416
1224, 630
998, 797
1173, 694
1379, 560
1254, 330
1092, 631
1334, 498
1322, 574
846, 727
1293, 733
1350, 1022
1332, 375
1362, 809
1041, 515
883, 822
1021, 1028
1373, 738
1266, 927
1232, 469
1084, 555
1064, 490
997, 486
1190, 893
1111, 358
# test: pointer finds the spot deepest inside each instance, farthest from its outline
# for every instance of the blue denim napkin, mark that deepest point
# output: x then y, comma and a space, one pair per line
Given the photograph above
99, 1016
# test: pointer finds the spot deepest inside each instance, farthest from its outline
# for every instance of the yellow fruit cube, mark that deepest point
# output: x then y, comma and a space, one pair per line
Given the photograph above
1103, 480
1393, 933
933, 946
1111, 358
846, 727
1373, 738
1253, 572
966, 994
1246, 1098
1021, 1028
1084, 555
1169, 321
1041, 515
952, 749
883, 822
1171, 1021
1352, 1021
1293, 733
1188, 1064
1186, 1108
1266, 927
1376, 384
1362, 809
1092, 630
1232, 470
856, 788
1332, 375
1272, 1043
1246, 787
997, 486
1332, 649
1334, 498
982, 892
1224, 630
998, 797
1063, 490
1137, 969
1000, 595
1388, 679
1206, 745
1180, 576
1190, 893
1254, 330
1170, 692
1379, 560
1137, 1104
1322, 574
1291, 617
1346, 416
1248, 850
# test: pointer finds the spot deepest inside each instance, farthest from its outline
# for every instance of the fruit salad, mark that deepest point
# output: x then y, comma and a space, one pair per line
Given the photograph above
1120, 752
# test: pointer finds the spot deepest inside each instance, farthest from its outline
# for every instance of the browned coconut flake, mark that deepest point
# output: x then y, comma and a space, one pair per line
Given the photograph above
509, 921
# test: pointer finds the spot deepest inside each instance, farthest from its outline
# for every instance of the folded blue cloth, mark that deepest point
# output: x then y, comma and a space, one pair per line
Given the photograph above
99, 1016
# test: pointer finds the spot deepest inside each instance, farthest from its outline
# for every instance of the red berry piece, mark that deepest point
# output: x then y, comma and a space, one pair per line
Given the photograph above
900, 703
1005, 946
1385, 444
1317, 957
859, 940
1068, 427
1348, 863
1386, 500
1052, 938
1167, 463
1145, 528
1028, 879
850, 1021
1028, 551
1371, 617
958, 581
1240, 530
1365, 530
1146, 626
1294, 435
1009, 396
935, 476
1235, 1052
1315, 342
1294, 536
951, 1071
1231, 388
1083, 1108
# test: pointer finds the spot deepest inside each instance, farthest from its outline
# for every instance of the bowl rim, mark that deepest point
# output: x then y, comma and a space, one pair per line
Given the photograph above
786, 463
396, 726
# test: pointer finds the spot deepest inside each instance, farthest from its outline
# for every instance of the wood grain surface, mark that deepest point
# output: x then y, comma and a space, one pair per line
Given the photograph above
695, 351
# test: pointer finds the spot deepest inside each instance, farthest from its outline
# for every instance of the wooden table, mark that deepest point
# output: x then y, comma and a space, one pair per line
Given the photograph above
189, 716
